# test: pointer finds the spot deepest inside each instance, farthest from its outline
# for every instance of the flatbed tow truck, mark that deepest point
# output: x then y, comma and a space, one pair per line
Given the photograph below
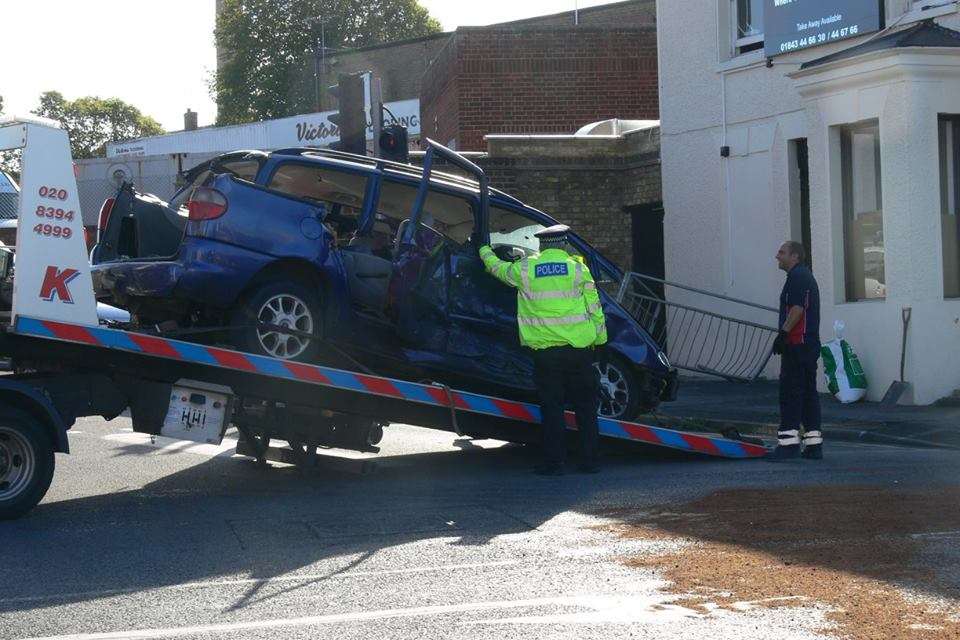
66, 364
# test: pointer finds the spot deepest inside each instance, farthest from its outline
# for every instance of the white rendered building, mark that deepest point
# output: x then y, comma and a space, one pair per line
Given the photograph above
841, 130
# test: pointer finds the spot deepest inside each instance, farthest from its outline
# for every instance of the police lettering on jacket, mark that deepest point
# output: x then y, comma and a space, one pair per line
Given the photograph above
548, 269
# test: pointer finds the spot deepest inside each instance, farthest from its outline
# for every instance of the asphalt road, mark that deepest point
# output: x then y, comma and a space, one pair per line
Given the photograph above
446, 540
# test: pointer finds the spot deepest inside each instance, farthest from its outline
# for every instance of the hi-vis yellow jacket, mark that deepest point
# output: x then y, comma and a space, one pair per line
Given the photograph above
557, 300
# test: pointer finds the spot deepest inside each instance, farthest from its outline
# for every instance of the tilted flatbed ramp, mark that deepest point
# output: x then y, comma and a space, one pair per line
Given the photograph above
406, 401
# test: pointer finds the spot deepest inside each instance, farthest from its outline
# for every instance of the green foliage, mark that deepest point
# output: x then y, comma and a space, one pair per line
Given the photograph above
269, 43
9, 160
93, 122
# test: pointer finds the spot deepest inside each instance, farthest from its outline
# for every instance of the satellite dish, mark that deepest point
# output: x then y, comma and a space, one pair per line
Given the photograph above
119, 173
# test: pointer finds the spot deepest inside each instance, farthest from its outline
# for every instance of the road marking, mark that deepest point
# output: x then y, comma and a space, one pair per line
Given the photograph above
936, 534
107, 593
168, 445
624, 609
358, 616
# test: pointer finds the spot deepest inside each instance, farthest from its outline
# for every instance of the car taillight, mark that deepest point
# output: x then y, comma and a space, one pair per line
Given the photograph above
206, 204
105, 209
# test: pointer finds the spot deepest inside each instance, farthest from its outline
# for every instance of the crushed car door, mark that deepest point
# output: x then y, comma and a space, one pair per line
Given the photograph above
426, 236
486, 309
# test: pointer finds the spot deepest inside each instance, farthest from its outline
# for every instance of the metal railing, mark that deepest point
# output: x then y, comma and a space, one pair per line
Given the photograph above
696, 339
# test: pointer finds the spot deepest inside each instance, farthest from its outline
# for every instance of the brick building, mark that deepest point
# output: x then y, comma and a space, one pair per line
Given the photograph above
532, 79
607, 187
404, 65
399, 65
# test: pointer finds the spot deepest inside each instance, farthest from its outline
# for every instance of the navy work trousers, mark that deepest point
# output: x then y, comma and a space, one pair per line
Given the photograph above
567, 374
799, 401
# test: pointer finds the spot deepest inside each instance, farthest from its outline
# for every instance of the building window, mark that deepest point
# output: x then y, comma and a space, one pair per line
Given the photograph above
748, 28
950, 203
862, 212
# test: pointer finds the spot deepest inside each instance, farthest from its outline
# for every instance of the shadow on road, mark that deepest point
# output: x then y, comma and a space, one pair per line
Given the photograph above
227, 518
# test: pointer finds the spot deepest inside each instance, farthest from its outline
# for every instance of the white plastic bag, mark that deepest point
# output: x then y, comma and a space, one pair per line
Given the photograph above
845, 377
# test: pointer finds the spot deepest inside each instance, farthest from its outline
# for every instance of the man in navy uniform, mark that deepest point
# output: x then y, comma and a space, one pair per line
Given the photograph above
798, 344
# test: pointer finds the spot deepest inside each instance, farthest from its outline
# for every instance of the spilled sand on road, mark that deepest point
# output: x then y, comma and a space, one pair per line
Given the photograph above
854, 549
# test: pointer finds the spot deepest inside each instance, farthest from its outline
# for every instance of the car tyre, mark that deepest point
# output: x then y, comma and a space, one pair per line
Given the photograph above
288, 304
620, 388
26, 463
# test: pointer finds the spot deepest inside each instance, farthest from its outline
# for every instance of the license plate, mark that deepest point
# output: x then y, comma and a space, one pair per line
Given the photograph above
197, 415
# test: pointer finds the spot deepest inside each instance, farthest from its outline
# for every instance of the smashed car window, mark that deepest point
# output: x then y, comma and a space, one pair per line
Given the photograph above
341, 193
319, 184
242, 169
448, 215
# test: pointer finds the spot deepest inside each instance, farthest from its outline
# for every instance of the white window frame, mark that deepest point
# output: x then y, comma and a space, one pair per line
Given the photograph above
948, 125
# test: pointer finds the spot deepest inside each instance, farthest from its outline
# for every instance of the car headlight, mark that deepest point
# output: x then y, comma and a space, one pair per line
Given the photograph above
662, 357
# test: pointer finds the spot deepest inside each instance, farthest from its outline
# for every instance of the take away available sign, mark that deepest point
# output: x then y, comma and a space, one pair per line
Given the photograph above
792, 25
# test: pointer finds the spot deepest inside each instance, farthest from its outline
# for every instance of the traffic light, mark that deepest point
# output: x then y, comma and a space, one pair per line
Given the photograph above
393, 143
351, 118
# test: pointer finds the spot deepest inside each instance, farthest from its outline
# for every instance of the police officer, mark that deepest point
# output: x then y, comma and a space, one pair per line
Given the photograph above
561, 321
798, 344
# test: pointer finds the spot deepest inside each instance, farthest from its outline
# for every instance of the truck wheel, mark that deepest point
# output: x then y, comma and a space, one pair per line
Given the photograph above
619, 389
26, 463
375, 434
286, 304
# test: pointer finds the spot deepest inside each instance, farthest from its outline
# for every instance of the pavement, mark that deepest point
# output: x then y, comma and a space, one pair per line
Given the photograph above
448, 538
753, 408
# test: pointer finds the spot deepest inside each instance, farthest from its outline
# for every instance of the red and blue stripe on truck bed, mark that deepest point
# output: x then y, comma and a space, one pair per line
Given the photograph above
434, 395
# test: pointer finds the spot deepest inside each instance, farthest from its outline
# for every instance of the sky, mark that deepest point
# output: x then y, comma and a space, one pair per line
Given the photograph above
158, 56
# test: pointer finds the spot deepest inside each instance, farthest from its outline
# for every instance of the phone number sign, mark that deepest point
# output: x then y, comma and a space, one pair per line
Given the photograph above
792, 25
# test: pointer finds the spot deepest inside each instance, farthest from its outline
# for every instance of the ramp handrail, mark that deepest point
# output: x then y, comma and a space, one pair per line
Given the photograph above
724, 344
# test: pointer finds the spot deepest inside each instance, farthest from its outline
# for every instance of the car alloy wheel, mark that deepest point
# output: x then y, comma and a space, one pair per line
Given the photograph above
614, 390
289, 312
17, 463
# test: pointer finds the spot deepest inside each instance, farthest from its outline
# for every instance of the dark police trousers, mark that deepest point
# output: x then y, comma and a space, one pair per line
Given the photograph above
567, 374
799, 401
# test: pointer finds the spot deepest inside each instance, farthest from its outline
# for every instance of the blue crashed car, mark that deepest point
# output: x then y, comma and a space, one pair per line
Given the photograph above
318, 255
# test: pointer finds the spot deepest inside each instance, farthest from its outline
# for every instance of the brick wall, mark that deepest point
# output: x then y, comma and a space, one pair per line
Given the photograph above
632, 13
523, 80
439, 88
400, 66
585, 182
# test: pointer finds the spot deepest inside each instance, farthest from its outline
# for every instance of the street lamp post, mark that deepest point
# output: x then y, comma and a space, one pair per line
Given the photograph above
319, 60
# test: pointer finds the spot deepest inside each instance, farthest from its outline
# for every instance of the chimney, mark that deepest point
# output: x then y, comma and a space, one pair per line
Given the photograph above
190, 120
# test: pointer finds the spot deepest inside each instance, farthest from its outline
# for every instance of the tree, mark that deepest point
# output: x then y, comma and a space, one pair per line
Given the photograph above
92, 122
265, 46
9, 160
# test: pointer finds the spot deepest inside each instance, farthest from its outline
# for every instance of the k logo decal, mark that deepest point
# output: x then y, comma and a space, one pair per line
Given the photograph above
55, 284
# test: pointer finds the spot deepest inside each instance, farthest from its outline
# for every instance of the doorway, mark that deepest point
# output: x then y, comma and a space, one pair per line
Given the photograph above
647, 234
800, 195
648, 260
